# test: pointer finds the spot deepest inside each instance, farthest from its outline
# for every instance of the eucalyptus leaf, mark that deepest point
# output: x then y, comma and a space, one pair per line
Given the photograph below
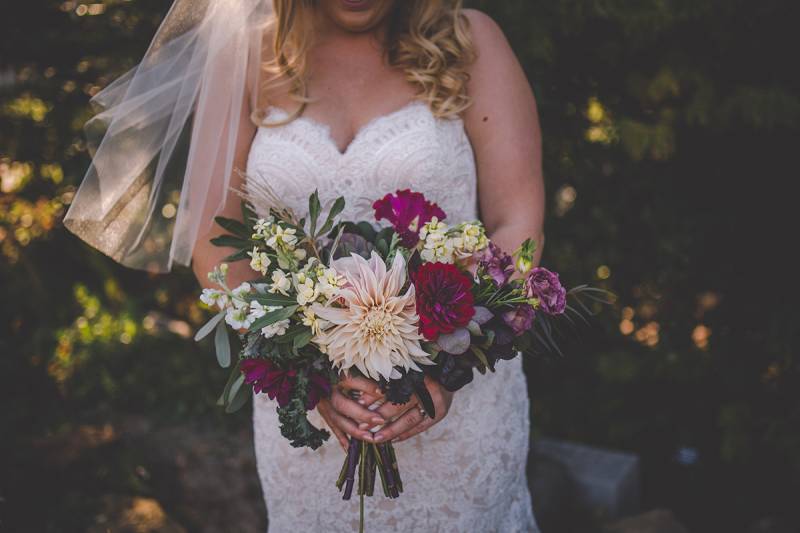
223, 345
456, 342
232, 377
239, 397
482, 315
209, 326
236, 256
474, 328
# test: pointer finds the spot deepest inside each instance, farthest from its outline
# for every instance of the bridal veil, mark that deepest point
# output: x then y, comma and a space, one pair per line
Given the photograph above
163, 142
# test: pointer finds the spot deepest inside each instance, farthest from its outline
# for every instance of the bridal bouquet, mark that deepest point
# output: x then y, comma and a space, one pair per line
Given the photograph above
330, 298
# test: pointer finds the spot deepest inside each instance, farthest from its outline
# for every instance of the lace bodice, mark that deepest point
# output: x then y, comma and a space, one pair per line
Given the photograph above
408, 148
466, 473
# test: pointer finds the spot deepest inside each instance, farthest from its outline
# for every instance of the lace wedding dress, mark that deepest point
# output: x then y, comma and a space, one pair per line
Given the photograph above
465, 474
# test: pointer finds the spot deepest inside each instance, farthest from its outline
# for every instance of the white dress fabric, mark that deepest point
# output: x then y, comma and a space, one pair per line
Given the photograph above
465, 474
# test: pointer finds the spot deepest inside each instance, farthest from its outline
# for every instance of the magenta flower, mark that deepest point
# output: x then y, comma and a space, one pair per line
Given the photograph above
266, 377
545, 285
520, 319
444, 299
498, 264
407, 212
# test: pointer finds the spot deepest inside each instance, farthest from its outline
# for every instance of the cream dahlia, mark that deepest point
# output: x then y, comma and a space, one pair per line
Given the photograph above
372, 326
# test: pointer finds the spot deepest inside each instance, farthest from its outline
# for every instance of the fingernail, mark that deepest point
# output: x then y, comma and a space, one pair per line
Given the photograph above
363, 425
396, 439
377, 420
362, 402
367, 436
378, 438
378, 391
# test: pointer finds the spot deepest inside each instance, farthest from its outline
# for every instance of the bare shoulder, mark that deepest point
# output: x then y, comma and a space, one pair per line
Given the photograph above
487, 35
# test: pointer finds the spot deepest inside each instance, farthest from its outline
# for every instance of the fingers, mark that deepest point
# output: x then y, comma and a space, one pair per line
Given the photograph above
324, 410
343, 423
363, 385
390, 411
410, 420
351, 409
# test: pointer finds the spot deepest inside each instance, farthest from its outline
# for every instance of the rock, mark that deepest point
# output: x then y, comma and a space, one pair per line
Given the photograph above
122, 514
656, 521
607, 482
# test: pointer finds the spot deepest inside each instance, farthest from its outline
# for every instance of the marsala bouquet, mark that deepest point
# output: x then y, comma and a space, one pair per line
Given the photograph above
331, 298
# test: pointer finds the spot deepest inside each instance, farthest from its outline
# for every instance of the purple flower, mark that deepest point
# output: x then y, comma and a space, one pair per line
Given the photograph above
407, 212
544, 285
318, 388
266, 377
520, 319
498, 264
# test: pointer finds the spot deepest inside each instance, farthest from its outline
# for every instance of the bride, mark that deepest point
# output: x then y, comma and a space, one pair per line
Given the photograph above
357, 98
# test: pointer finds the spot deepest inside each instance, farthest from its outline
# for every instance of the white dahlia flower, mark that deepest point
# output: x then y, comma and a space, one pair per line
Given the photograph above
372, 326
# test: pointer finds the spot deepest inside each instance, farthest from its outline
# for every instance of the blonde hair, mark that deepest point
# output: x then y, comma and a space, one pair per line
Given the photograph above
428, 39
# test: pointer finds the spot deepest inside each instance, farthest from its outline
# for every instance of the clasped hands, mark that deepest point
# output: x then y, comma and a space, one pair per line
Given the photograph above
347, 416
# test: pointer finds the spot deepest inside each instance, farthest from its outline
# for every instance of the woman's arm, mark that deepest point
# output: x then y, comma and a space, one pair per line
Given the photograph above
503, 128
205, 255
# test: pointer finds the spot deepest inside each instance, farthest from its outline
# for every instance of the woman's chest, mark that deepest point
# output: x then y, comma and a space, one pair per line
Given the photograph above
406, 149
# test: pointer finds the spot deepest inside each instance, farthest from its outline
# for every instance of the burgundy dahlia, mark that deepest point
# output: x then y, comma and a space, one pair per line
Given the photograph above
545, 285
444, 299
520, 319
407, 212
498, 264
266, 377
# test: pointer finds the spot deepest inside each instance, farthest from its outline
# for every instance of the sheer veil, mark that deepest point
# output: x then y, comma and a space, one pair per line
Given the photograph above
163, 142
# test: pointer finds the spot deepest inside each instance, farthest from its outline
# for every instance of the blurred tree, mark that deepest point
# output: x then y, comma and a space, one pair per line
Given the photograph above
670, 130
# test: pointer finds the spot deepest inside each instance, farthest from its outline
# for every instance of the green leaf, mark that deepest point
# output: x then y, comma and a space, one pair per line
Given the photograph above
274, 316
248, 215
223, 345
290, 334
238, 395
367, 231
425, 399
229, 241
234, 226
314, 207
302, 339
338, 207
234, 374
482, 358
274, 300
209, 326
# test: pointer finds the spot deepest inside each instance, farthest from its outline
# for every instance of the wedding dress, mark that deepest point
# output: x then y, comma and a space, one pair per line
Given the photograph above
465, 474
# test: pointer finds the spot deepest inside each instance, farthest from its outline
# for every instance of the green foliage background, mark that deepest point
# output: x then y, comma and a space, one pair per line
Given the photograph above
670, 137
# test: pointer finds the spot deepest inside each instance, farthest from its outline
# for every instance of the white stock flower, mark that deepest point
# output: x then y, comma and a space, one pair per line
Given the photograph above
276, 329
329, 283
238, 317
311, 320
282, 238
376, 329
259, 261
262, 227
435, 243
214, 297
307, 291
469, 238
280, 283
239, 294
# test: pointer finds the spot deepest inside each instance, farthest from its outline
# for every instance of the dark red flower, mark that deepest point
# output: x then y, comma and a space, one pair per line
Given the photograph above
444, 299
266, 377
318, 388
407, 212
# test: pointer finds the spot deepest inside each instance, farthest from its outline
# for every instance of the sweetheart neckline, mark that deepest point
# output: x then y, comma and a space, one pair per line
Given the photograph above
326, 128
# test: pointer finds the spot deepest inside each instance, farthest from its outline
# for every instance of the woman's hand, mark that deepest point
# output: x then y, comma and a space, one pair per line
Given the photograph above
409, 419
346, 416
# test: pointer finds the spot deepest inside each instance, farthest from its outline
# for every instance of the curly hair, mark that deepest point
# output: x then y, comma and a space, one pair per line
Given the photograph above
428, 39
